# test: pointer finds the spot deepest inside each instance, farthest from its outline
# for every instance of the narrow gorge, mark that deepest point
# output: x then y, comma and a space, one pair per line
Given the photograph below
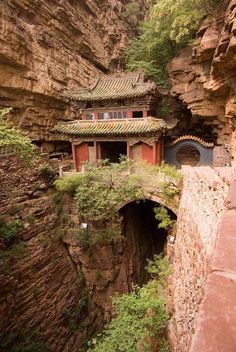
65, 253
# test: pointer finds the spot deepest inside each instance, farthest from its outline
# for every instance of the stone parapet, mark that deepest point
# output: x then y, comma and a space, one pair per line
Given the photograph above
201, 207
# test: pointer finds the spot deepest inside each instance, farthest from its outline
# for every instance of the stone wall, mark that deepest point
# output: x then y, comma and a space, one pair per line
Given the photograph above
215, 328
201, 207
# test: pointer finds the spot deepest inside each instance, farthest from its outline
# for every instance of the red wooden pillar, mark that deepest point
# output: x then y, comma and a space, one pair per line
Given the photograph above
154, 152
96, 151
73, 155
128, 150
158, 152
96, 116
145, 113
99, 152
129, 114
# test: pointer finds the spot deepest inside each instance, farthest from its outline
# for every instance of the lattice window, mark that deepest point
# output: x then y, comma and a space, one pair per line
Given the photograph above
112, 115
89, 116
122, 115
101, 116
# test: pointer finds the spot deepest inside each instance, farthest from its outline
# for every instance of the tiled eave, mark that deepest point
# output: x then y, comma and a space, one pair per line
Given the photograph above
112, 87
116, 128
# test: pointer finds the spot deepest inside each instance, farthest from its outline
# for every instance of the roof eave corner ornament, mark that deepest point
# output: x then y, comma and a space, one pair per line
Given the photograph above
94, 85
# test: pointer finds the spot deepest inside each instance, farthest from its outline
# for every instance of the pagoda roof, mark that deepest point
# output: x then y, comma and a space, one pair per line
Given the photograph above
113, 87
116, 128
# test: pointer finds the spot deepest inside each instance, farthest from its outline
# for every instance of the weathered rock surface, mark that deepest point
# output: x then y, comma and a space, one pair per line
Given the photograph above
202, 76
50, 46
41, 290
201, 207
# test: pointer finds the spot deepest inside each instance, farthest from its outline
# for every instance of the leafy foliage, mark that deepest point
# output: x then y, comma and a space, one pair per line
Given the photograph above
163, 217
171, 25
46, 171
18, 341
140, 318
9, 231
13, 140
131, 9
160, 269
100, 188
77, 311
16, 250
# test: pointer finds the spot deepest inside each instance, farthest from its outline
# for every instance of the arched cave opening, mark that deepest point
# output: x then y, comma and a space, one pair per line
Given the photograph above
143, 238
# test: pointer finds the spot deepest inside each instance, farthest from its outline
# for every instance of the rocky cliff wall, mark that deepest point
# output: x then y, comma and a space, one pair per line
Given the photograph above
40, 289
201, 207
50, 46
203, 79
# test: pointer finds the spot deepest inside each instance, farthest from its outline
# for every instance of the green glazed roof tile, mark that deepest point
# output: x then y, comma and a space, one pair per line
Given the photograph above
126, 127
112, 87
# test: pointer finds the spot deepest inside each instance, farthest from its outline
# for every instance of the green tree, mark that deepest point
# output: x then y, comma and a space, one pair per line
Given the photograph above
171, 25
140, 317
101, 189
13, 140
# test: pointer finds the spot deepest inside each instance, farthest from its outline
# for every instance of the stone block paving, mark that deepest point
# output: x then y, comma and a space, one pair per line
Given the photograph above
216, 322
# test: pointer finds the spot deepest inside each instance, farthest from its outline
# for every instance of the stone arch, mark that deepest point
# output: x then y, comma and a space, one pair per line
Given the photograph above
153, 198
143, 237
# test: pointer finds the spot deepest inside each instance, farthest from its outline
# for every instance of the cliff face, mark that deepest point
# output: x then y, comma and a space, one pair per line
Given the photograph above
50, 46
52, 297
203, 78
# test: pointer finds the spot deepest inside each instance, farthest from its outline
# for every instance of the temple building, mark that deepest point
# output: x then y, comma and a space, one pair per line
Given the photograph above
118, 117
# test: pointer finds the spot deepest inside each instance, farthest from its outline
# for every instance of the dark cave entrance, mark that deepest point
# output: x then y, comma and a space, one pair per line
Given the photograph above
143, 238
113, 150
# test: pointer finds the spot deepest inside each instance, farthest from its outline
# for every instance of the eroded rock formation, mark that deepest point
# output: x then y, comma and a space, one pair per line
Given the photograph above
203, 78
52, 280
50, 46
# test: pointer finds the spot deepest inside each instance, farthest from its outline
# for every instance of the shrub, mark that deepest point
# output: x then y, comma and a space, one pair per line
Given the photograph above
140, 318
31, 219
14, 251
14, 140
160, 269
9, 231
68, 184
21, 341
77, 311
163, 217
46, 170
101, 188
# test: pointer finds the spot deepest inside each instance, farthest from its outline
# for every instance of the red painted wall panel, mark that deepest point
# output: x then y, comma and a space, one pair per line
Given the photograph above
81, 154
147, 153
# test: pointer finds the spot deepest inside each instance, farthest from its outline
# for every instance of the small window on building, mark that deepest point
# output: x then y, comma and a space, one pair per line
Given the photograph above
122, 115
90, 144
112, 115
89, 116
101, 116
152, 113
137, 114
